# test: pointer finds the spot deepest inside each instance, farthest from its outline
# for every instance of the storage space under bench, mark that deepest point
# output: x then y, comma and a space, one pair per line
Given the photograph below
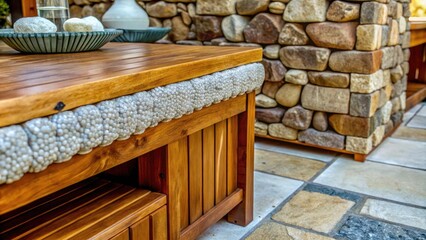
92, 209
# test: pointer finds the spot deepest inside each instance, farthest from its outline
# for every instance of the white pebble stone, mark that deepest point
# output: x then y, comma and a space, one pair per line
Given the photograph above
95, 23
145, 111
77, 25
91, 128
34, 25
127, 116
110, 121
67, 135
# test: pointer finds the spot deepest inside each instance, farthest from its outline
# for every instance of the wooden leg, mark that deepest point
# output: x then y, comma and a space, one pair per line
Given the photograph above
360, 157
243, 213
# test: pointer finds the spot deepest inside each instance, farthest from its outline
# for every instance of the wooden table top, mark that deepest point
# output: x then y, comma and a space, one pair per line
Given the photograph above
32, 85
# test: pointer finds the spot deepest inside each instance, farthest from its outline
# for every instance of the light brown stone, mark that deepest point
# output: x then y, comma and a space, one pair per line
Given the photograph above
179, 29
298, 118
272, 230
393, 38
324, 99
333, 35
293, 34
296, 77
272, 51
216, 7
288, 95
276, 7
364, 105
340, 11
378, 135
251, 7
274, 70
208, 27
389, 57
360, 62
327, 139
270, 115
369, 37
261, 128
320, 121
366, 83
374, 13
264, 28
314, 210
161, 9
352, 126
359, 145
306, 11
265, 102
295, 167
304, 57
271, 88
280, 131
329, 79
233, 27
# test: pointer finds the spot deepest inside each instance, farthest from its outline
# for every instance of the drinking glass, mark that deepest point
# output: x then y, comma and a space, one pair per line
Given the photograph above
57, 11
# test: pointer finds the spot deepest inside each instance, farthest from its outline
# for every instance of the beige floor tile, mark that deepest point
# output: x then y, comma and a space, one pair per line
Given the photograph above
313, 210
286, 165
377, 179
415, 217
276, 231
407, 133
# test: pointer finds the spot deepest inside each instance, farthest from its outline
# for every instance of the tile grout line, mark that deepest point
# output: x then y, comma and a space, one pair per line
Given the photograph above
395, 165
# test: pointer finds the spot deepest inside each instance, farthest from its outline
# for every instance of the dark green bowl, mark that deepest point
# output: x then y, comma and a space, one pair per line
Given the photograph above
148, 35
59, 42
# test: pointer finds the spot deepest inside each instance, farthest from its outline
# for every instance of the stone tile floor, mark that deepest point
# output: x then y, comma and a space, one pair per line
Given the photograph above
307, 194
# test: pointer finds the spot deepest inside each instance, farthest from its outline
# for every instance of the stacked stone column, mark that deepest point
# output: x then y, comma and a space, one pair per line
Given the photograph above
336, 71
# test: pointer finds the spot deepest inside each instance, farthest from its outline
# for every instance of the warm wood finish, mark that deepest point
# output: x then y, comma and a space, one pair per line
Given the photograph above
208, 168
29, 8
159, 224
141, 230
32, 85
33, 186
195, 176
105, 211
214, 215
177, 172
220, 161
232, 156
416, 93
418, 33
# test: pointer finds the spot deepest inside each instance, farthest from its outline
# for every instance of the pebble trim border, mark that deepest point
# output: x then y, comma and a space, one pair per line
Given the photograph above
37, 143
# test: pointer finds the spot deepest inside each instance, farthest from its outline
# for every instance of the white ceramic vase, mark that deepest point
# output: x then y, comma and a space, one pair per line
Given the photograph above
125, 14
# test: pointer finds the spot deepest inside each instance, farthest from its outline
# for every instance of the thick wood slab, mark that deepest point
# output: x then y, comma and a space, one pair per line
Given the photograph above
32, 85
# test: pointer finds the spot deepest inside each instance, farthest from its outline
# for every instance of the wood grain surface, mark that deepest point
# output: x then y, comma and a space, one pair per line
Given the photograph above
32, 85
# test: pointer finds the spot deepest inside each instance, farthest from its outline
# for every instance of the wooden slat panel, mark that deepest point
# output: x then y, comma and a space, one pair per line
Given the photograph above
243, 213
77, 228
159, 224
109, 221
45, 214
208, 168
212, 216
79, 213
34, 186
141, 230
220, 161
124, 235
78, 79
152, 170
178, 186
195, 176
232, 154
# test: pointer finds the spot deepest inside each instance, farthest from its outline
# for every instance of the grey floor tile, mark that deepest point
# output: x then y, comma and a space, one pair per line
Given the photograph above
270, 191
377, 179
408, 133
417, 121
393, 212
422, 111
401, 152
294, 149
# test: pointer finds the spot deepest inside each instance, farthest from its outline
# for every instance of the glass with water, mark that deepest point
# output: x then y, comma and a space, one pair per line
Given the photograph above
57, 11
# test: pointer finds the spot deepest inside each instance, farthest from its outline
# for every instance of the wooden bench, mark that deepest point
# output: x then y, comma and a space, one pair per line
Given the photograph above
202, 162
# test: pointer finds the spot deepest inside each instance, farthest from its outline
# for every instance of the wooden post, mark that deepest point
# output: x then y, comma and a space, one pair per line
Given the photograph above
243, 213
29, 8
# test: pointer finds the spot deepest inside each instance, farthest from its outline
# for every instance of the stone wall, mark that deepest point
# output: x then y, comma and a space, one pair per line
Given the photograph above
335, 70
